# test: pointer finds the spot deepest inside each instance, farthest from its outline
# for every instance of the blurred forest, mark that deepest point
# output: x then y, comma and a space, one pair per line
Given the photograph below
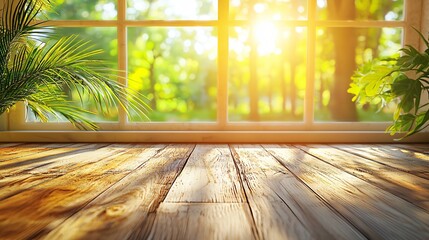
176, 67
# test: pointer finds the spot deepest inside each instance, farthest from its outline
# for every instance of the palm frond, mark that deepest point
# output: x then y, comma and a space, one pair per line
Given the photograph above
52, 104
33, 64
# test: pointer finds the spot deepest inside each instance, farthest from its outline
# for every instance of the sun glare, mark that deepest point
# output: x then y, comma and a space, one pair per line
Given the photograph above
266, 36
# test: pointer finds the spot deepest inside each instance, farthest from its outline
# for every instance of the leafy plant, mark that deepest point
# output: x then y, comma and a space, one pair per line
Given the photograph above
404, 80
37, 67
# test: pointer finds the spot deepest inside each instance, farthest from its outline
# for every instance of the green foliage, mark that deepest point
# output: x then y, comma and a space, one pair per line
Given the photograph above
37, 68
175, 67
404, 79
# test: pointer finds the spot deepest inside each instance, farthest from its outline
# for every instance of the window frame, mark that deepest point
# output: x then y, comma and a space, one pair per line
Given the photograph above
221, 130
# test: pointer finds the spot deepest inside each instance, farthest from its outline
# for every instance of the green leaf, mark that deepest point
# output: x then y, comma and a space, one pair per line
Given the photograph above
401, 85
403, 123
38, 73
390, 80
421, 119
53, 104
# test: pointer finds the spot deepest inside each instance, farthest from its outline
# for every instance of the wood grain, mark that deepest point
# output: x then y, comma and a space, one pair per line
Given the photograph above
209, 176
421, 147
123, 209
6, 145
21, 181
415, 163
402, 184
12, 152
31, 161
203, 221
377, 213
183, 191
283, 206
12, 148
38, 210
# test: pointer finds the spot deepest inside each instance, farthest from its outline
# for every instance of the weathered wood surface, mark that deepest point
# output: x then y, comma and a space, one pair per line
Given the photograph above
210, 176
6, 145
415, 148
15, 151
187, 191
41, 208
377, 213
58, 167
405, 185
283, 207
119, 212
31, 161
13, 148
203, 221
413, 162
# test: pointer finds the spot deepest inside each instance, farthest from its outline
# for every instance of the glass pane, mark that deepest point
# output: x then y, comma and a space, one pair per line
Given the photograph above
267, 73
176, 69
339, 52
268, 9
100, 38
388, 10
83, 10
171, 9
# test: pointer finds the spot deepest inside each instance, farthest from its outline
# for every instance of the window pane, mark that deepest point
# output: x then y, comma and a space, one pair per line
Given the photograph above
83, 10
389, 10
267, 73
176, 69
268, 10
339, 52
100, 38
171, 9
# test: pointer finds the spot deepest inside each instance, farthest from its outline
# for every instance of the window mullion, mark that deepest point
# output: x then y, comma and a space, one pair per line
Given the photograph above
412, 20
122, 54
311, 58
222, 85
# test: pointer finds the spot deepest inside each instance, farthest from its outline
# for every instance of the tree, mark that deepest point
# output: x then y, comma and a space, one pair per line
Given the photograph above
34, 67
341, 105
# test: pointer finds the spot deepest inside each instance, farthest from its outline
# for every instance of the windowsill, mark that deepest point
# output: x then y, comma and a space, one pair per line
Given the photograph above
209, 136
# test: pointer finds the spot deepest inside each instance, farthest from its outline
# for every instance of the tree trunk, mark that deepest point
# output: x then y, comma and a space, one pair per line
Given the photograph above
270, 92
283, 78
152, 79
253, 80
292, 62
341, 105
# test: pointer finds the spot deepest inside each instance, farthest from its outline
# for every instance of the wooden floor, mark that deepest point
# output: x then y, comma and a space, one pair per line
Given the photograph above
188, 191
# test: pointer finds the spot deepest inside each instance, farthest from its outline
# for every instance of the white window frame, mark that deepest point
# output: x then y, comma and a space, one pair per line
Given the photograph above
17, 129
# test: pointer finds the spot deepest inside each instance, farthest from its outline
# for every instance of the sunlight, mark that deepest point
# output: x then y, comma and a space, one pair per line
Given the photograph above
266, 37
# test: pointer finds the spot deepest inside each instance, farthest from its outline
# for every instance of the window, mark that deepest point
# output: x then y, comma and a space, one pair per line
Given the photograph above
239, 65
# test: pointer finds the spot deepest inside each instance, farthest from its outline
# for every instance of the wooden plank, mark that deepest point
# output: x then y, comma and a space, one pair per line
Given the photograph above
402, 184
420, 151
7, 145
282, 206
42, 159
411, 153
203, 221
377, 213
31, 161
18, 182
412, 162
123, 209
417, 147
209, 176
6, 151
34, 212
9, 153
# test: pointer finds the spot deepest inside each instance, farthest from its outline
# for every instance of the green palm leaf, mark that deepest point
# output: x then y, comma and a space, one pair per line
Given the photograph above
36, 68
